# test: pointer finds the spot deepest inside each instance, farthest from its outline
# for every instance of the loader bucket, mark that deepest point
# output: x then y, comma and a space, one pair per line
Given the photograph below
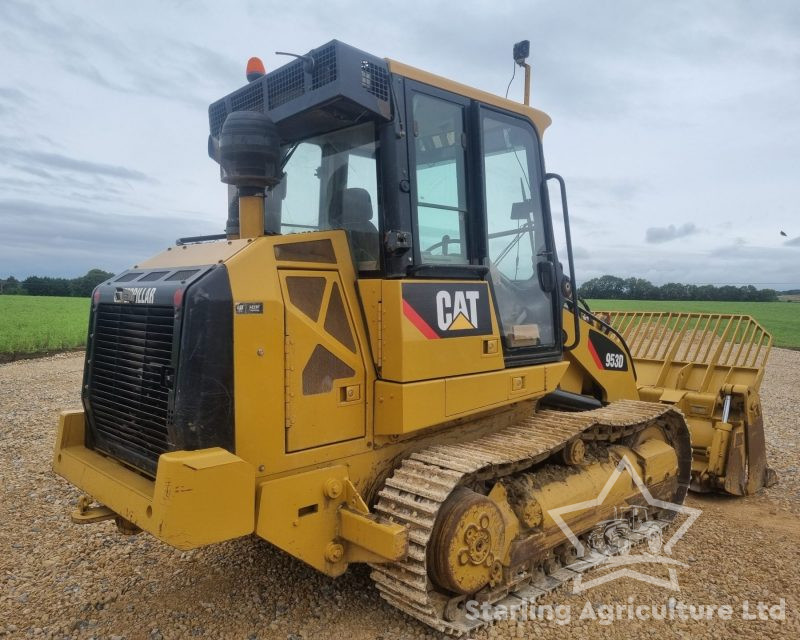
710, 366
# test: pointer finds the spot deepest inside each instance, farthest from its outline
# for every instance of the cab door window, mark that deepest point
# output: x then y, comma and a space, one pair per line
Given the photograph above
439, 171
516, 234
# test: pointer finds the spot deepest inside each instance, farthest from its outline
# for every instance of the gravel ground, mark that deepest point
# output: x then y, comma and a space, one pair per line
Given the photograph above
62, 580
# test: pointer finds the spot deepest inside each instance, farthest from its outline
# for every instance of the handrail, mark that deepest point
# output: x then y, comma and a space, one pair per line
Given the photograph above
565, 211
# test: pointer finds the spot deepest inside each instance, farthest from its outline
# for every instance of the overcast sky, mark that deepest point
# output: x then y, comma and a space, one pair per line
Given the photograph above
675, 124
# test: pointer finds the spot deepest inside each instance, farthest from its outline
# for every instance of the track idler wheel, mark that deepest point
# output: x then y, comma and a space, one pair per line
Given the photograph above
466, 542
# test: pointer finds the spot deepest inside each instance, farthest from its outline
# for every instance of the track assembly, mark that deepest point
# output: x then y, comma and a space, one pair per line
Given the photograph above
459, 536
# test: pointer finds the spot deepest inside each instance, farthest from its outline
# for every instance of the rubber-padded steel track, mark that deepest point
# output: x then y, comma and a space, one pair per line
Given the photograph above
415, 492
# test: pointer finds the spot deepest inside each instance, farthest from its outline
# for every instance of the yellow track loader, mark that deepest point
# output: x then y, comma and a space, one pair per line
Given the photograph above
383, 361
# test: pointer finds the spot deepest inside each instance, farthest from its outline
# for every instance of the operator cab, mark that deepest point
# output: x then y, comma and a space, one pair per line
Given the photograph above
430, 179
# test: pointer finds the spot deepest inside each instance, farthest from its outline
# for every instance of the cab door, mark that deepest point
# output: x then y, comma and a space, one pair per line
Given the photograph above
438, 158
519, 237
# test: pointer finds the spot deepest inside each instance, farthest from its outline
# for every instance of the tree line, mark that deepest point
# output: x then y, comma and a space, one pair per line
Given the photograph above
602, 288
80, 287
614, 288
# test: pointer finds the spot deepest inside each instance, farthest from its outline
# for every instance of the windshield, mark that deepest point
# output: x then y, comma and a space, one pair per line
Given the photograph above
331, 182
515, 230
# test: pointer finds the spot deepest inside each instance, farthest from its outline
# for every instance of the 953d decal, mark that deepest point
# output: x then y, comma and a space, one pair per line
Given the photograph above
448, 310
606, 354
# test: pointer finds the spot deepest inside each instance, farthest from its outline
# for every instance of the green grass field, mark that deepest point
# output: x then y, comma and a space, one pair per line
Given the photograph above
33, 324
781, 319
30, 324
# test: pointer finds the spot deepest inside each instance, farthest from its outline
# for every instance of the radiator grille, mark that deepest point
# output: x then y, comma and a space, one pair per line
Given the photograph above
131, 362
127, 277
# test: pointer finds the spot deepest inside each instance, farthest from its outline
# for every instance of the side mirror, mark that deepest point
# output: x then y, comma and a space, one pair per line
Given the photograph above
522, 210
546, 271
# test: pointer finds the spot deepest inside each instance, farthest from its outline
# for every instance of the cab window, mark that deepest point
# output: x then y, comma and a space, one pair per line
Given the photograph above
439, 167
331, 182
515, 230
300, 206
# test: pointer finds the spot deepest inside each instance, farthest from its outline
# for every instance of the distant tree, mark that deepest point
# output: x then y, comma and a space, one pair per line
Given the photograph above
614, 288
768, 295
84, 285
706, 292
608, 287
729, 293
10, 286
38, 286
673, 291
640, 289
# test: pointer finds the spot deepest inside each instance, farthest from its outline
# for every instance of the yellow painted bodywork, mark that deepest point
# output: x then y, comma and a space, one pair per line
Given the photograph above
406, 354
251, 216
306, 513
405, 408
292, 445
197, 498
583, 375
308, 417
194, 254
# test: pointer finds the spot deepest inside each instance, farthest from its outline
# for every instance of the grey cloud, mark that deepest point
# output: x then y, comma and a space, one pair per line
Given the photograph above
596, 192
657, 235
794, 242
34, 171
578, 253
12, 100
73, 188
59, 162
87, 71
47, 239
604, 60
13, 95
164, 67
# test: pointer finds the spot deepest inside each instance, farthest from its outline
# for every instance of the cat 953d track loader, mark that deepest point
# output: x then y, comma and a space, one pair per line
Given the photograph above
382, 360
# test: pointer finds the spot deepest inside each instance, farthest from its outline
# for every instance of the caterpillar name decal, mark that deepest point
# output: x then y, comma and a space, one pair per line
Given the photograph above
135, 295
448, 310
